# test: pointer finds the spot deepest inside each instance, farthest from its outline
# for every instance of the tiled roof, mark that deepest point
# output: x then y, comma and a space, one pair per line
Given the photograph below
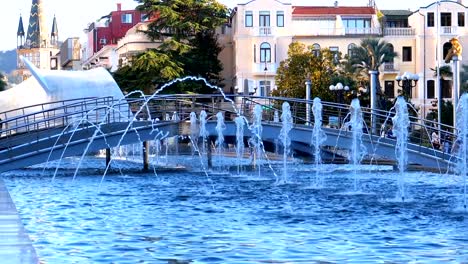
331, 10
396, 12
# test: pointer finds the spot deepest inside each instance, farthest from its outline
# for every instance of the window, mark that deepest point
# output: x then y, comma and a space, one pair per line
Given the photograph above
430, 19
351, 48
144, 17
255, 53
447, 46
461, 19
391, 50
280, 19
265, 52
103, 41
430, 89
316, 50
265, 88
264, 19
390, 89
357, 22
446, 88
248, 19
446, 19
127, 18
407, 56
335, 50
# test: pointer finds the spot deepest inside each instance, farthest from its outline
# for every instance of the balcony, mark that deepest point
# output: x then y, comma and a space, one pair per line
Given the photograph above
363, 31
258, 31
448, 30
390, 67
399, 32
263, 68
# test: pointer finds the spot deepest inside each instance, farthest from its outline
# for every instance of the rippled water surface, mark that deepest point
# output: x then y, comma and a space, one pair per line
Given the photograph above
189, 217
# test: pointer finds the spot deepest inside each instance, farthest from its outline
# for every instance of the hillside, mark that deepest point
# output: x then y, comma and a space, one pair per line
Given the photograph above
7, 61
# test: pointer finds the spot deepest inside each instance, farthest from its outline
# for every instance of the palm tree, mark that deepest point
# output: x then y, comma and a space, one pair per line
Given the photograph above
371, 54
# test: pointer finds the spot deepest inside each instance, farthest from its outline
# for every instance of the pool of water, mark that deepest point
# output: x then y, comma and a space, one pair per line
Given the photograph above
191, 217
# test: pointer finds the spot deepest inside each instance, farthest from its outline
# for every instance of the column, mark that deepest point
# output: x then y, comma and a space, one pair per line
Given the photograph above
373, 100
145, 155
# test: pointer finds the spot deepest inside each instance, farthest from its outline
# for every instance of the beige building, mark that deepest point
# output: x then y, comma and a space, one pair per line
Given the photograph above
261, 31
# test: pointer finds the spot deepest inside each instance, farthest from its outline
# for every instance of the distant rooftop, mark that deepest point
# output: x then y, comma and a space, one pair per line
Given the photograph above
396, 12
331, 10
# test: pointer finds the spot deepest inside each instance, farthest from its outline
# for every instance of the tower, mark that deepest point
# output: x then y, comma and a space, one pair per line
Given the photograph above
20, 34
54, 33
37, 36
38, 46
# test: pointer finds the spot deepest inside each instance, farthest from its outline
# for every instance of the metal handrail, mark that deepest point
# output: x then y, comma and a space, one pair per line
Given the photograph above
92, 109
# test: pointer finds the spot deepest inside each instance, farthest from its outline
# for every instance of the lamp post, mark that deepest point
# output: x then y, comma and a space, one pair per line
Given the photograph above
407, 81
307, 85
340, 89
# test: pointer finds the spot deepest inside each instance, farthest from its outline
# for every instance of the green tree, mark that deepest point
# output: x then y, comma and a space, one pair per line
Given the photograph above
189, 45
301, 65
3, 83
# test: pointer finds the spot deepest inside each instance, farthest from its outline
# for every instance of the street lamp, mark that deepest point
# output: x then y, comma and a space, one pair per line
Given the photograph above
339, 88
407, 81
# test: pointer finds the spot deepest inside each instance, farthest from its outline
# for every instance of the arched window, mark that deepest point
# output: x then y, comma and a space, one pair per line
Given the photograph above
391, 50
316, 49
351, 48
447, 46
265, 52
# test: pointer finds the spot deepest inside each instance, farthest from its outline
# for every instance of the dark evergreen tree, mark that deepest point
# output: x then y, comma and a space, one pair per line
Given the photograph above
189, 45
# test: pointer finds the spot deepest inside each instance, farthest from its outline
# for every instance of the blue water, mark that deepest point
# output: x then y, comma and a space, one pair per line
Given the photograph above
187, 217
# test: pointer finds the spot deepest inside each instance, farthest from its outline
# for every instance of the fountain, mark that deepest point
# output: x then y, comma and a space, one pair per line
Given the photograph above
239, 141
219, 144
357, 151
287, 124
136, 217
461, 143
401, 124
318, 138
255, 142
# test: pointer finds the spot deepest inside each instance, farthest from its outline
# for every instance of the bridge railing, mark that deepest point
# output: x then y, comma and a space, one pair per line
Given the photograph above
97, 110
71, 112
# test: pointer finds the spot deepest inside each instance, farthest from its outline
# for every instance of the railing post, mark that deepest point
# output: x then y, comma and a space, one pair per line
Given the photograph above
108, 156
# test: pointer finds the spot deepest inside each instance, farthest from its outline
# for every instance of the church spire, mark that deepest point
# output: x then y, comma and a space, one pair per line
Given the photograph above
20, 34
37, 36
54, 33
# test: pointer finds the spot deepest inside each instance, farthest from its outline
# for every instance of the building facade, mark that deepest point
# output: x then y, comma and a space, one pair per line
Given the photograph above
261, 31
103, 35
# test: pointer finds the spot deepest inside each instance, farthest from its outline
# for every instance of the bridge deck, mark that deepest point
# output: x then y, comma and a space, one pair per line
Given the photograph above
15, 244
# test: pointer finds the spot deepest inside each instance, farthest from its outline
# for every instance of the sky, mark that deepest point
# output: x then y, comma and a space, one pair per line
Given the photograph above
74, 16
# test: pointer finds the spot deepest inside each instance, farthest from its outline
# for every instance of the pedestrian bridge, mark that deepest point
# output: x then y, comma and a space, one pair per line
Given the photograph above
40, 133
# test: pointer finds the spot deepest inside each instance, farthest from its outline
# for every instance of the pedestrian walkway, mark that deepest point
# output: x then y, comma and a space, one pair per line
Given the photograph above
15, 245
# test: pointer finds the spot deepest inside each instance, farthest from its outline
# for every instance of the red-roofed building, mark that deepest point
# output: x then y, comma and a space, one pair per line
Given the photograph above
106, 32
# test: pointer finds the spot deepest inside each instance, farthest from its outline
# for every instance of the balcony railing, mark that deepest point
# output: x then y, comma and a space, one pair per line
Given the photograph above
264, 31
399, 32
449, 30
390, 67
265, 68
363, 31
